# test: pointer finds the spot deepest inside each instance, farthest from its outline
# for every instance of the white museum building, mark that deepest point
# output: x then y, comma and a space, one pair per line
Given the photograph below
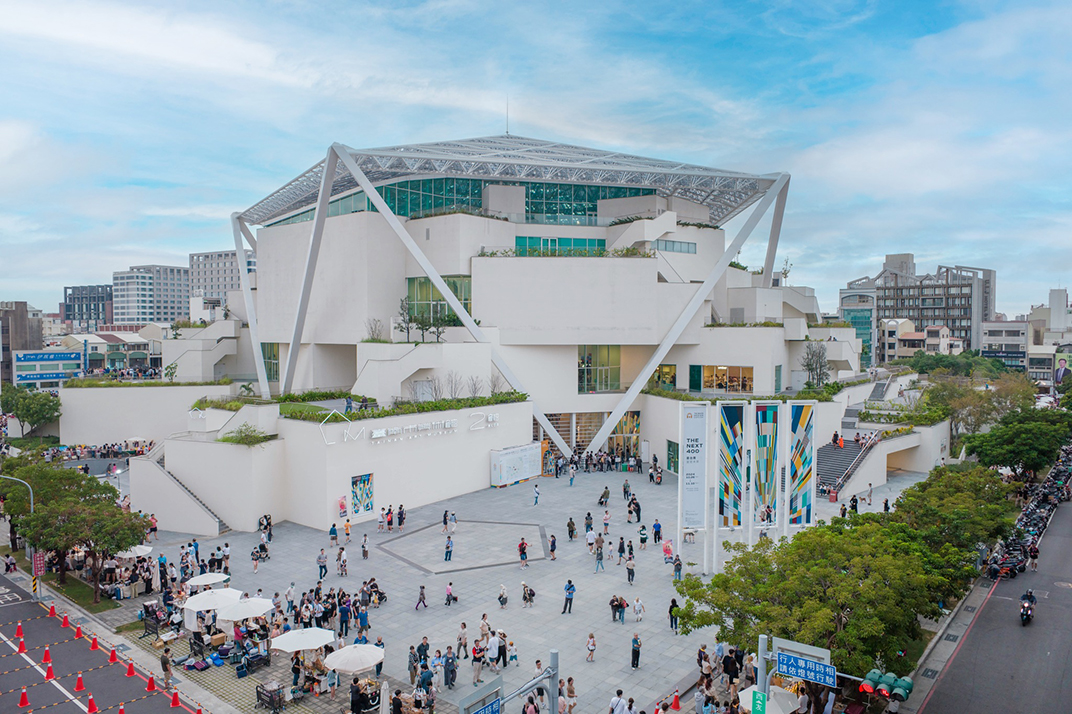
574, 275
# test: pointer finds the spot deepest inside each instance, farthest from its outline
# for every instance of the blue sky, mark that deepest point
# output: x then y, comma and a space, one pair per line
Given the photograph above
129, 132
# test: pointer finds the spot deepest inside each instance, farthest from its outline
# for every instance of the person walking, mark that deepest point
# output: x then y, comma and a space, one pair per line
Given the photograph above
673, 614
379, 643
364, 547
1033, 555
413, 664
638, 609
503, 598
333, 535
535, 494
636, 650
571, 590
463, 642
590, 538
885, 505
523, 553
450, 594
421, 600
450, 668
643, 531
621, 549
165, 667
453, 521
553, 546
657, 531
599, 560
630, 570
448, 550
322, 564
445, 517
591, 647
617, 704
606, 522
571, 529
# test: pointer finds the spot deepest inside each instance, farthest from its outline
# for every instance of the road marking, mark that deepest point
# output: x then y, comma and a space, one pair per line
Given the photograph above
55, 683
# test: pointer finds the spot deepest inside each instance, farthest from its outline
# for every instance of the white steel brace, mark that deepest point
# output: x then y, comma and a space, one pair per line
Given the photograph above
777, 189
240, 231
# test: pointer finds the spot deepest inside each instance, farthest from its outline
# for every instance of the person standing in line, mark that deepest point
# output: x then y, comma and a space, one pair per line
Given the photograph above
401, 517
636, 650
463, 641
322, 564
673, 614
535, 494
630, 570
421, 600
448, 550
571, 590
591, 647
553, 546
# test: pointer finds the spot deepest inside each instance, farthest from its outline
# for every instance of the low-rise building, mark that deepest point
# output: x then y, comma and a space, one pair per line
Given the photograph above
46, 369
939, 341
1007, 341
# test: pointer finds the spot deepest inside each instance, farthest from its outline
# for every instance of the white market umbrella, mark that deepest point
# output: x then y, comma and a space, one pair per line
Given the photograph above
138, 551
385, 697
779, 701
207, 579
310, 638
354, 658
250, 607
212, 599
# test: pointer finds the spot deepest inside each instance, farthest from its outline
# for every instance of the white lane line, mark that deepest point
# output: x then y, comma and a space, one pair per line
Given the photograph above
53, 682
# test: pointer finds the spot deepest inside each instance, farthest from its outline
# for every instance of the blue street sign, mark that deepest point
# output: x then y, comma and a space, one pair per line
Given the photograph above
492, 707
49, 357
807, 669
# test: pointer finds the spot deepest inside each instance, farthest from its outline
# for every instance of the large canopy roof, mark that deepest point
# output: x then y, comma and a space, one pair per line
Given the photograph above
510, 158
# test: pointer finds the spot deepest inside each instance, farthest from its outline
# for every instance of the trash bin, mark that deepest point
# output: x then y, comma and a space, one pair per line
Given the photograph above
833, 497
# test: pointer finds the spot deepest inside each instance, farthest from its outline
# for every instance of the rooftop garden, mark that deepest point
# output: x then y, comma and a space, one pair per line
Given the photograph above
401, 407
86, 382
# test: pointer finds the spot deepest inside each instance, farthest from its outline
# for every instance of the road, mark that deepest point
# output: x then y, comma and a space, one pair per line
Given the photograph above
1001, 667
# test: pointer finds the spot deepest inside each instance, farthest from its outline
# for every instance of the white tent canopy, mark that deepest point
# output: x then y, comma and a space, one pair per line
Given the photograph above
138, 551
207, 579
250, 607
310, 638
355, 658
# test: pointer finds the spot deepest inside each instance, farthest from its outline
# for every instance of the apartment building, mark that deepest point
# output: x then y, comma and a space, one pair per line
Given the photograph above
151, 293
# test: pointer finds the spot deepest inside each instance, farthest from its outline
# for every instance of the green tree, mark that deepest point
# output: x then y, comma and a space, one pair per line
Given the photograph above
10, 396
35, 408
814, 363
405, 319
1023, 447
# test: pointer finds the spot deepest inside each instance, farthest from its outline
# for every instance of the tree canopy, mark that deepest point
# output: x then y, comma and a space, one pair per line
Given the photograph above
965, 364
31, 408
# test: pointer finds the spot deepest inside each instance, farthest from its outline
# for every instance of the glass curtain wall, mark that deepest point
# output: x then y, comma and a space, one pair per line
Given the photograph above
599, 368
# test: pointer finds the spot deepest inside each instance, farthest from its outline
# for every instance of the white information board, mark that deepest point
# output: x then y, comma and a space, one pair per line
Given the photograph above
693, 465
515, 463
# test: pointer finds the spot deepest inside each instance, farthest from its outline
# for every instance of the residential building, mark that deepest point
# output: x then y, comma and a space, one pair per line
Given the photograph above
110, 350
151, 293
53, 327
1007, 341
20, 329
890, 331
574, 263
938, 341
958, 297
213, 274
87, 307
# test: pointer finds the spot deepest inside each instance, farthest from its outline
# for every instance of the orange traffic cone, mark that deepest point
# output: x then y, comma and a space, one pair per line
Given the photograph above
78, 685
52, 610
198, 709
66, 622
22, 646
130, 669
151, 686
93, 645
113, 657
91, 706
676, 704
47, 659
18, 629
24, 701
78, 632
175, 700
122, 708
48, 674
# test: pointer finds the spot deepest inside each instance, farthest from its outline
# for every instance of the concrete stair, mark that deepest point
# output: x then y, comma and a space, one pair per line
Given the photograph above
878, 392
224, 528
834, 462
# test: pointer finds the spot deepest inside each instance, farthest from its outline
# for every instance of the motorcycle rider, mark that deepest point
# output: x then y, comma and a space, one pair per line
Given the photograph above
1029, 596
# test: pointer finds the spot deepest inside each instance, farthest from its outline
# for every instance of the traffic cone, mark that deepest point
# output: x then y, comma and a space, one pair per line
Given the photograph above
151, 686
22, 646
47, 658
122, 708
93, 645
66, 622
48, 674
78, 685
78, 632
113, 657
198, 709
18, 629
91, 706
52, 610
24, 701
130, 669
175, 699
676, 704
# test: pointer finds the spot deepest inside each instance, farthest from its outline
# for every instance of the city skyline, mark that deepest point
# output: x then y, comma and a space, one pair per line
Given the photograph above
131, 133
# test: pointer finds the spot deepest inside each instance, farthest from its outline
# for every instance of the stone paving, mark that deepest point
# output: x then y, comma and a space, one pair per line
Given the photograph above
491, 522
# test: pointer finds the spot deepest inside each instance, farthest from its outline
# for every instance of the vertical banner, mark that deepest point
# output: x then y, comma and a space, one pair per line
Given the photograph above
801, 463
693, 465
768, 470
731, 452
361, 493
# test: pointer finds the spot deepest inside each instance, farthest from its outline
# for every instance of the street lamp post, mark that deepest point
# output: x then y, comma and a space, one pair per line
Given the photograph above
29, 548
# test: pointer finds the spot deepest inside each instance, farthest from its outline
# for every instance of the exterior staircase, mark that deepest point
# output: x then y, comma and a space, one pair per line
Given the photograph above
849, 420
833, 463
878, 392
158, 459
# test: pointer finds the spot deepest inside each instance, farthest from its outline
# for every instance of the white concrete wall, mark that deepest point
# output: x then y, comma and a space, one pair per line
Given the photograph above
103, 415
299, 477
659, 420
758, 347
152, 492
933, 447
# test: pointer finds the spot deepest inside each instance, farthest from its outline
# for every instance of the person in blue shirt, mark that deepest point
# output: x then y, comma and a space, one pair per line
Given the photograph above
657, 531
570, 589
344, 618
426, 677
382, 646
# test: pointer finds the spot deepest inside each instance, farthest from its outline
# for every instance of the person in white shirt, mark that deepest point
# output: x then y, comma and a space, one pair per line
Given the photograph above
617, 704
802, 702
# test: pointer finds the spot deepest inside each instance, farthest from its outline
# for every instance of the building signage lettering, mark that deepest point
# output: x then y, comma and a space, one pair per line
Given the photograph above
693, 465
42, 376
49, 357
408, 432
808, 669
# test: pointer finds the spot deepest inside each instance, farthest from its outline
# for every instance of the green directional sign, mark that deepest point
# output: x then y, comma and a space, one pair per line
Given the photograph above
759, 703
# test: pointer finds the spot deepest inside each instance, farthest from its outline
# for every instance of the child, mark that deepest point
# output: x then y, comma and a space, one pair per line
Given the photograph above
511, 654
